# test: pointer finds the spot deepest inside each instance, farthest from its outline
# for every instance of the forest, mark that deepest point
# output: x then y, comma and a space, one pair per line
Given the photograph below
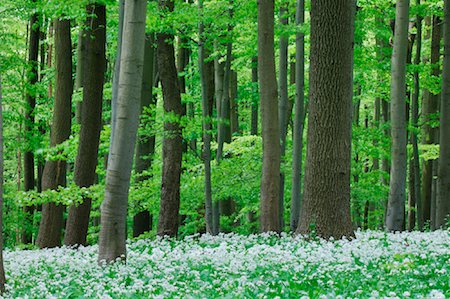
225, 149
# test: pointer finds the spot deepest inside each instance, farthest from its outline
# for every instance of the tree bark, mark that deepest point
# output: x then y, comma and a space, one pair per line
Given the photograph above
270, 180
2, 269
28, 156
91, 122
54, 174
255, 98
283, 102
146, 144
396, 204
326, 202
114, 207
172, 144
297, 152
430, 134
443, 188
234, 107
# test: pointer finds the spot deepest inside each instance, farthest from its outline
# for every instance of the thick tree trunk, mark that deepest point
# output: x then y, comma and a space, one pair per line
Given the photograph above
443, 188
270, 180
297, 152
146, 144
54, 174
326, 203
172, 144
91, 122
395, 216
2, 269
28, 156
114, 207
283, 102
430, 134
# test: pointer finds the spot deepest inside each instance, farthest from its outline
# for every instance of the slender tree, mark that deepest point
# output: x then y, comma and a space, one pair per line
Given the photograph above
172, 144
28, 156
395, 217
443, 196
297, 157
114, 207
2, 269
142, 221
91, 122
255, 99
270, 181
326, 201
54, 174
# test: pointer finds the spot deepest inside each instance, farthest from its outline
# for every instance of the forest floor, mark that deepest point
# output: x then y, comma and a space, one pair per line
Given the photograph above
375, 265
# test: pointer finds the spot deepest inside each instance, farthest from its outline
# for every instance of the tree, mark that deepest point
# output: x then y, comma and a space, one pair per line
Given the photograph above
2, 269
54, 174
114, 207
326, 203
28, 156
395, 216
172, 143
270, 180
297, 157
91, 121
443, 188
142, 221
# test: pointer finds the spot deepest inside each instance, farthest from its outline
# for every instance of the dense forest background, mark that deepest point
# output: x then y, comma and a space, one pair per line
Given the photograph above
57, 142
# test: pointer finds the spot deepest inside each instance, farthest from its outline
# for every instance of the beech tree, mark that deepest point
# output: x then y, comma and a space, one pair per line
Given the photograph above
112, 240
172, 143
443, 188
326, 202
54, 174
91, 121
395, 216
2, 162
270, 179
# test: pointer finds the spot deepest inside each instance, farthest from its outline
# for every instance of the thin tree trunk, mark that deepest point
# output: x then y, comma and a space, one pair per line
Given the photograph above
234, 111
28, 156
430, 134
326, 202
443, 188
255, 98
283, 102
172, 144
396, 204
270, 180
79, 76
416, 198
91, 122
2, 269
114, 207
297, 152
54, 174
146, 144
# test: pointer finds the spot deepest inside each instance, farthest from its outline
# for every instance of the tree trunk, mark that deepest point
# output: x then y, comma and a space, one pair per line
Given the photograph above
114, 207
28, 156
54, 174
91, 122
297, 152
207, 83
234, 111
443, 188
270, 180
172, 144
283, 102
2, 269
146, 144
255, 98
79, 76
326, 202
430, 134
396, 204
416, 198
